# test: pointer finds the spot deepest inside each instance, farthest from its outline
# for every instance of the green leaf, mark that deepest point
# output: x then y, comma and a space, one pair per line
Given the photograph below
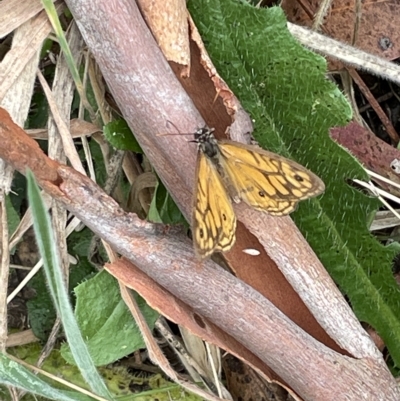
14, 374
12, 216
52, 267
98, 161
123, 381
39, 113
41, 312
283, 87
163, 209
79, 242
120, 136
105, 321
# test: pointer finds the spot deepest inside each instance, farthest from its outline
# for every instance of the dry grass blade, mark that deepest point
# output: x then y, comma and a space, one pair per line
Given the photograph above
155, 353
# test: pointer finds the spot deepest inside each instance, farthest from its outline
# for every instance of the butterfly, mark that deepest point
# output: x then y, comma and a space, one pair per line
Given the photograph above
231, 170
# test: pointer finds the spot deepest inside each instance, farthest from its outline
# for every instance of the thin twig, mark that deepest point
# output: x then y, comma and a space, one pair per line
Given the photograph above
345, 53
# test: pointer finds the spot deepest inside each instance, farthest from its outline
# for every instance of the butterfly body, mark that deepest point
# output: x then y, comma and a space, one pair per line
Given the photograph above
230, 170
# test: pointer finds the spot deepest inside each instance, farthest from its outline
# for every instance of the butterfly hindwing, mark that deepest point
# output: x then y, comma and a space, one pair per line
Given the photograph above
214, 220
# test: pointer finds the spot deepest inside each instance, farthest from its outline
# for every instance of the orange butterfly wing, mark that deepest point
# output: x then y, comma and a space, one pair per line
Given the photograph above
265, 180
214, 220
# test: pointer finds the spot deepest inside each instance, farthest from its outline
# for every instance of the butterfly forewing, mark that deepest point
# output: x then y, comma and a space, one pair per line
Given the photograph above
214, 220
266, 181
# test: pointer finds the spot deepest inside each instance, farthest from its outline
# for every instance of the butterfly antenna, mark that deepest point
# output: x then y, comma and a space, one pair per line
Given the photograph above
168, 133
177, 129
